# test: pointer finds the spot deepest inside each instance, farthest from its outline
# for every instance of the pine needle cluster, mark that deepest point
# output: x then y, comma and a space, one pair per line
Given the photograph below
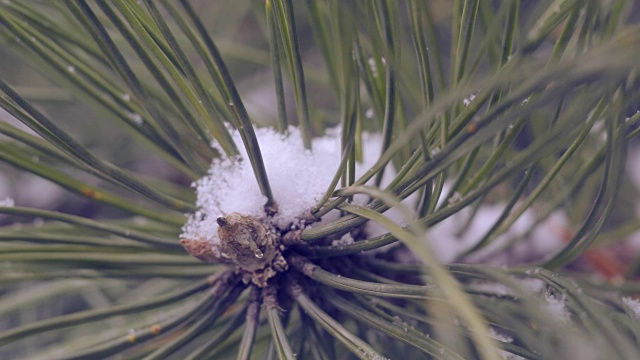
460, 133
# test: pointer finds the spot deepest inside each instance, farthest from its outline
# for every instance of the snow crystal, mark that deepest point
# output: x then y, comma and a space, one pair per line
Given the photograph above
469, 100
298, 179
7, 202
346, 239
632, 304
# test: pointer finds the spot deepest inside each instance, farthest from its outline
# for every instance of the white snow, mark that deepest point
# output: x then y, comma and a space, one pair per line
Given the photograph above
7, 202
556, 305
346, 239
535, 286
633, 304
369, 114
298, 179
135, 117
491, 288
469, 100
373, 66
449, 241
494, 334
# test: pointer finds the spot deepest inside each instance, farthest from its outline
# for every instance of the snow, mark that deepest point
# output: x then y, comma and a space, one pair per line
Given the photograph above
494, 334
556, 306
7, 202
346, 239
534, 286
135, 117
469, 100
632, 304
369, 114
298, 179
449, 243
491, 288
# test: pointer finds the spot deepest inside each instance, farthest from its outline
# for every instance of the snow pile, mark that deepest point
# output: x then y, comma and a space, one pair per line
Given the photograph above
298, 179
